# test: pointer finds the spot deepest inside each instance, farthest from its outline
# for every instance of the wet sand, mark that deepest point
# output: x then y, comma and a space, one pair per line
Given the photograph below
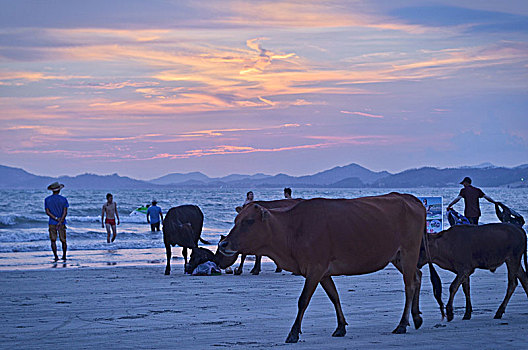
139, 307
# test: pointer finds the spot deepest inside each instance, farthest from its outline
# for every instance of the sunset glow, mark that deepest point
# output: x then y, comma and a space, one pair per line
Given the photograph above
147, 88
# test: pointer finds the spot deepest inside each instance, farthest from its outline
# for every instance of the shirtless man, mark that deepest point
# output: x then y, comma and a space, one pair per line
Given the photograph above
110, 209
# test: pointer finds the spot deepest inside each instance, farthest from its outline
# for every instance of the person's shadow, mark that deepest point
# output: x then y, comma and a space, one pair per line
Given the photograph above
56, 264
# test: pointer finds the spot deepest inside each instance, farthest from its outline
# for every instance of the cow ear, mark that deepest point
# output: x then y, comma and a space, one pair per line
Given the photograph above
238, 209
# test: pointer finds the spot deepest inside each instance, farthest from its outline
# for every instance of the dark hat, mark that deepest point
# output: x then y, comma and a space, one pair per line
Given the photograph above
154, 201
55, 186
466, 179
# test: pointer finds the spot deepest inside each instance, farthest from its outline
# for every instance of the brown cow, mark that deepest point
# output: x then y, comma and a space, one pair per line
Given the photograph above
280, 203
464, 248
319, 238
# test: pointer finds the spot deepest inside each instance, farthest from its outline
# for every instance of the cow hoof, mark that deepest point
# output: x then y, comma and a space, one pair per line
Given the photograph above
255, 272
340, 331
278, 269
400, 330
466, 317
167, 272
498, 316
238, 271
417, 322
292, 337
449, 315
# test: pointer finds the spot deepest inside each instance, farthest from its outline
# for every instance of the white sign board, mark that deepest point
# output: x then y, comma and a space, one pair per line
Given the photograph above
433, 207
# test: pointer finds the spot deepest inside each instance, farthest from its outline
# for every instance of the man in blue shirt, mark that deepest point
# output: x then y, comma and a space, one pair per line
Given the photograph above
56, 207
153, 216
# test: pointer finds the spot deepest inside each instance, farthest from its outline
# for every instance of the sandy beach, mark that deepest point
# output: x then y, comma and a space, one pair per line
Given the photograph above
139, 307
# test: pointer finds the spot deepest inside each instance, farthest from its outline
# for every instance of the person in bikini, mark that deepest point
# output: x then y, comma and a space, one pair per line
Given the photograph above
110, 210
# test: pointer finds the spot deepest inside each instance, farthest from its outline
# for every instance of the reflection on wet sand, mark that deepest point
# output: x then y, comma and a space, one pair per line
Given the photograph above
56, 264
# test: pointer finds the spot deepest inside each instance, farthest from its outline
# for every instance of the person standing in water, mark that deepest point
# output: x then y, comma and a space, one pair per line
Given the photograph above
153, 216
250, 197
110, 210
56, 207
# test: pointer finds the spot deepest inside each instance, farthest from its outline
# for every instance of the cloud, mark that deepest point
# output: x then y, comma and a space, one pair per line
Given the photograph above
43, 130
363, 114
37, 76
227, 149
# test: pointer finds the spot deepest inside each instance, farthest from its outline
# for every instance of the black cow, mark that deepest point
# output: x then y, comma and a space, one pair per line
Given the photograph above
464, 248
182, 226
201, 255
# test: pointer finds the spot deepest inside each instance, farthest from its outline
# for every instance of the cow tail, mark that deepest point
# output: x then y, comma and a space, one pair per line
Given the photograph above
204, 241
435, 278
525, 262
437, 288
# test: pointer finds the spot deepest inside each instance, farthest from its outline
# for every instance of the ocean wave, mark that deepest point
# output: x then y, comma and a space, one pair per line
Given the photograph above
14, 219
10, 220
7, 220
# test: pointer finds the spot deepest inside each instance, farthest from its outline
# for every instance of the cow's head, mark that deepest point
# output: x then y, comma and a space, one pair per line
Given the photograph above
224, 261
198, 256
250, 233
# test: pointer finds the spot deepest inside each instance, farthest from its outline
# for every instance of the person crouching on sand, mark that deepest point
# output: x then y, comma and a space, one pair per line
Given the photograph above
110, 209
56, 207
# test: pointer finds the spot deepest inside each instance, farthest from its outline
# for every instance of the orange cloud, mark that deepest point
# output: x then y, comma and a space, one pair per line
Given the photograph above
37, 76
226, 149
363, 114
308, 14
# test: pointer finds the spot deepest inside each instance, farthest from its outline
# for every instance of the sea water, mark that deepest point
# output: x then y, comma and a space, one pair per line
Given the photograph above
24, 240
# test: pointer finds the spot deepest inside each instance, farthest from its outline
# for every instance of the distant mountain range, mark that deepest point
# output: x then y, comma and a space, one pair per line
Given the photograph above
349, 176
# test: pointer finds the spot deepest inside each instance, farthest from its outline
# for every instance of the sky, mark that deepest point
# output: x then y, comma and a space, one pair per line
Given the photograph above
146, 88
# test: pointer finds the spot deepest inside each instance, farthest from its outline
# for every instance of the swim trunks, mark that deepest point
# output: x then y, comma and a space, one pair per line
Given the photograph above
111, 222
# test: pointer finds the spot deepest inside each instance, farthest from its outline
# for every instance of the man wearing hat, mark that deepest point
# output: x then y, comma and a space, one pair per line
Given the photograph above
57, 208
471, 197
153, 216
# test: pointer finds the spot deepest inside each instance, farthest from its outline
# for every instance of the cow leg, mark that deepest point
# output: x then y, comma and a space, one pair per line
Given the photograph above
523, 278
184, 252
408, 267
256, 268
415, 309
239, 269
469, 308
277, 269
309, 288
512, 284
330, 289
168, 250
453, 288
